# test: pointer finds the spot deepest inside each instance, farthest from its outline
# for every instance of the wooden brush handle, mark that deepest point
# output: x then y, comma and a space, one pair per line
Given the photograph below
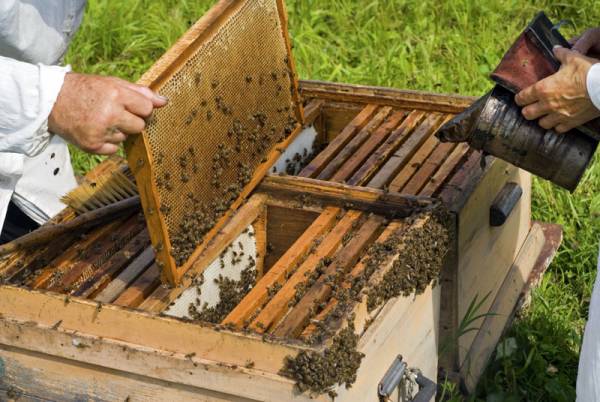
47, 233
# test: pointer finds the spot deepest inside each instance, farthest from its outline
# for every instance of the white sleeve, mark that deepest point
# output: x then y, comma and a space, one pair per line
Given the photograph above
593, 84
29, 92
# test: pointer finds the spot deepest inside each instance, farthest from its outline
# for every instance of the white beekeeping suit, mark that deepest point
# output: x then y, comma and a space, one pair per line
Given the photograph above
35, 167
588, 375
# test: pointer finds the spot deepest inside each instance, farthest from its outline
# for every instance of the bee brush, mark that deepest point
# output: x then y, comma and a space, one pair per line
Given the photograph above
105, 199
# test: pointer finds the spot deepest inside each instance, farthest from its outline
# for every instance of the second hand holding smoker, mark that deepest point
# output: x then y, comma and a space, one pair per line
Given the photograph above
495, 125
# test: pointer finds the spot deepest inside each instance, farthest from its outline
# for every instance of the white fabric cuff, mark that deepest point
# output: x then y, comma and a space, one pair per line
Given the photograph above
52, 79
593, 84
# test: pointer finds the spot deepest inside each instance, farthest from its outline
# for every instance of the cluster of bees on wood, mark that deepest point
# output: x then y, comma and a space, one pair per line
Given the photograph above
247, 141
418, 264
319, 372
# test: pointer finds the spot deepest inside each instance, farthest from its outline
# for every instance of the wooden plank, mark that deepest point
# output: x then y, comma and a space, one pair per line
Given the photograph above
123, 362
107, 271
329, 193
284, 226
362, 315
404, 99
355, 142
335, 117
392, 228
500, 310
95, 256
276, 275
20, 264
456, 192
158, 300
63, 261
36, 377
129, 274
163, 296
366, 149
438, 179
498, 246
278, 305
312, 111
260, 238
397, 161
429, 167
448, 322
283, 17
317, 164
140, 289
396, 138
413, 165
19, 270
140, 328
296, 320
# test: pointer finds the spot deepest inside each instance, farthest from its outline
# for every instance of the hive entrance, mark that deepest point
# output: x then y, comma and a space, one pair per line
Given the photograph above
233, 98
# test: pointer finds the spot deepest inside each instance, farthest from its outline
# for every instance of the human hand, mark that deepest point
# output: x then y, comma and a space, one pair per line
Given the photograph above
561, 101
97, 113
588, 43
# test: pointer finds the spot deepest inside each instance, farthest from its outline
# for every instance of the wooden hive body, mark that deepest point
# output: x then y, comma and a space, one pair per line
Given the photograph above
93, 306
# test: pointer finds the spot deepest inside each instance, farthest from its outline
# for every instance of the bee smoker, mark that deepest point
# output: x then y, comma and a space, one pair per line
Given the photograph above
495, 125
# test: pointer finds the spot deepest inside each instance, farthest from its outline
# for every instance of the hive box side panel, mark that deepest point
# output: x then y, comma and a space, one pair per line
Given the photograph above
503, 307
27, 350
38, 377
486, 253
406, 326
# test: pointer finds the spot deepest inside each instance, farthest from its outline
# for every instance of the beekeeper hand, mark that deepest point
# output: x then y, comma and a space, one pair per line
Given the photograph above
561, 101
96, 113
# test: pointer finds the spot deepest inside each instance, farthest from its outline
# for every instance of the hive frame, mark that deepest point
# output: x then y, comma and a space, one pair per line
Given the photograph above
137, 147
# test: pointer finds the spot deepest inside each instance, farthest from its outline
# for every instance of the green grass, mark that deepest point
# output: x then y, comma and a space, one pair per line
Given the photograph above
447, 46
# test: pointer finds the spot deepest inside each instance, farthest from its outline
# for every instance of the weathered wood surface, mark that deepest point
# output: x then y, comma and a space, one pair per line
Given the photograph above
401, 156
479, 242
357, 159
125, 278
298, 317
54, 364
148, 330
277, 274
329, 193
82, 222
284, 226
404, 99
280, 303
315, 166
385, 150
350, 147
503, 306
406, 326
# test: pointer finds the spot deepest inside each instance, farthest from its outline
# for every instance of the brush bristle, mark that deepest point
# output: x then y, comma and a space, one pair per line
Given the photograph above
104, 191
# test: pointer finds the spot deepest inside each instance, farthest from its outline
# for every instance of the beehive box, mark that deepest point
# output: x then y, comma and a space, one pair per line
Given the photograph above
368, 240
93, 306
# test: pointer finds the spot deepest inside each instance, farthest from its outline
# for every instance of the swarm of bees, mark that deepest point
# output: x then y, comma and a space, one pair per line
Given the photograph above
319, 372
419, 263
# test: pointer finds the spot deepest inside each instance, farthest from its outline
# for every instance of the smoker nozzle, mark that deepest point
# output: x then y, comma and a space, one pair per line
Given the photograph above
460, 128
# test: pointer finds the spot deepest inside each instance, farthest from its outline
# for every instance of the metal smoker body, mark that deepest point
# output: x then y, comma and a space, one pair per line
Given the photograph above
495, 125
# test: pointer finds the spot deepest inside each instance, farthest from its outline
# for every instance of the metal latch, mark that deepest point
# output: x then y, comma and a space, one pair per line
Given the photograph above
399, 375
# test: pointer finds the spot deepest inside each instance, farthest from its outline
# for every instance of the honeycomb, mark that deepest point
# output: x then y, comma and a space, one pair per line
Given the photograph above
231, 102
